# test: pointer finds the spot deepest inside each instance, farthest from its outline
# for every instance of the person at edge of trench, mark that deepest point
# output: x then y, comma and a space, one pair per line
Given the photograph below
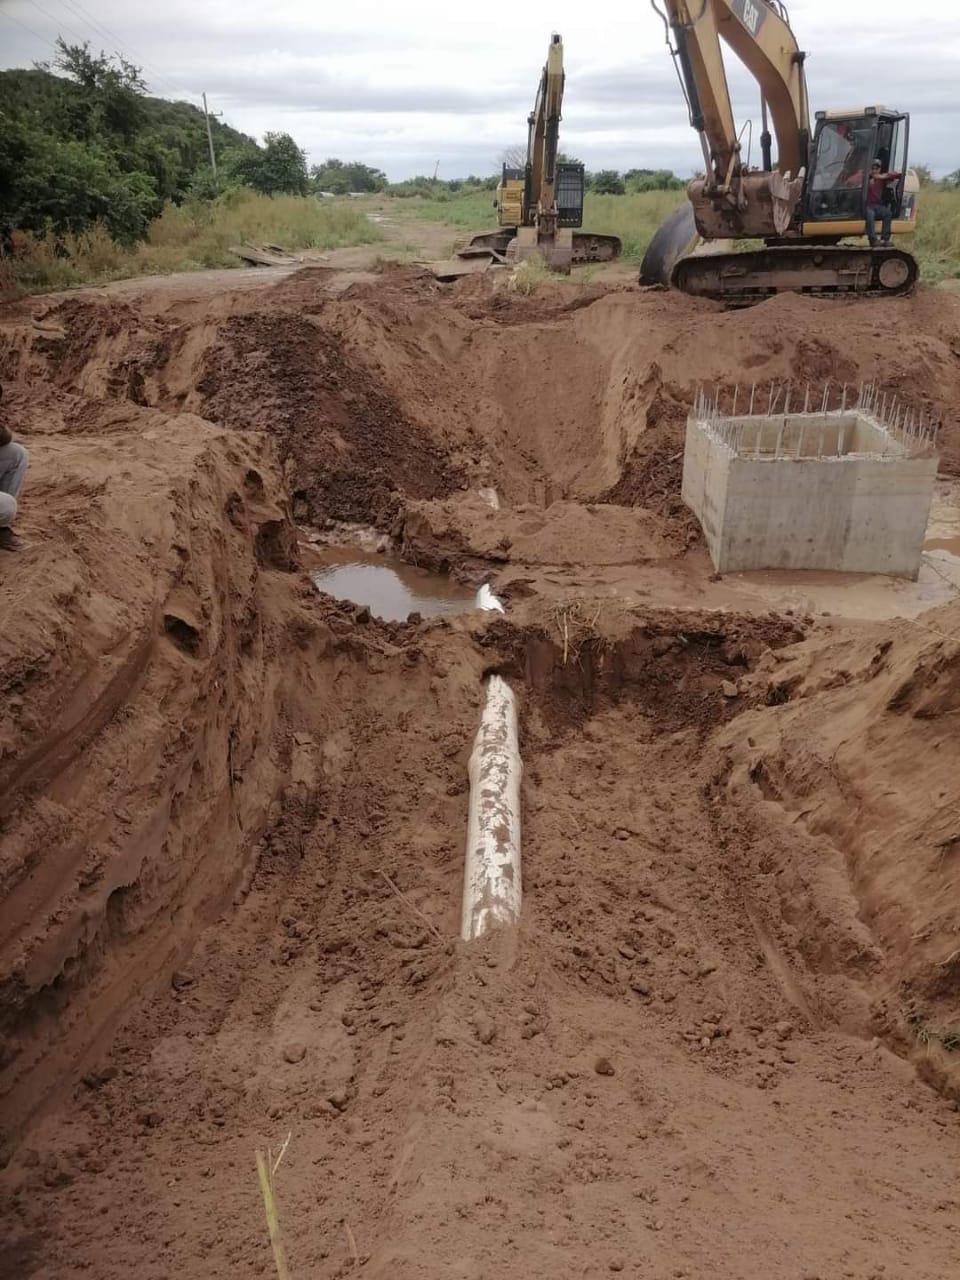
13, 467
876, 207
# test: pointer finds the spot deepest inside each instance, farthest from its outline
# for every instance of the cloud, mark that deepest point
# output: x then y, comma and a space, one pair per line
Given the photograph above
400, 87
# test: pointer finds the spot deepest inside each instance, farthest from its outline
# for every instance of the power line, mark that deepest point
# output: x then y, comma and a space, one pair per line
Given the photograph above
43, 39
98, 30
55, 20
107, 34
82, 14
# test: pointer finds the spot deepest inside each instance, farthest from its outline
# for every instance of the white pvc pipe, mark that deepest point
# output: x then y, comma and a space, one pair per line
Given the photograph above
491, 879
488, 601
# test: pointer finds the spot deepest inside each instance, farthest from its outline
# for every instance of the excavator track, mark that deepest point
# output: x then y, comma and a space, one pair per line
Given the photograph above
740, 279
587, 247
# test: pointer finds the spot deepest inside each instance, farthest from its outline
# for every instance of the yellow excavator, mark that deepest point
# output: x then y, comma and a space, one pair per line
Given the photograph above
540, 206
805, 203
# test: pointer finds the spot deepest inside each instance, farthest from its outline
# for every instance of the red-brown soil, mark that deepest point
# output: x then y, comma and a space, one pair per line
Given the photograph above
723, 1041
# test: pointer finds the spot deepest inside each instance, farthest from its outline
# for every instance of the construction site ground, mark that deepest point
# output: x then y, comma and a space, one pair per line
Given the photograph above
724, 1040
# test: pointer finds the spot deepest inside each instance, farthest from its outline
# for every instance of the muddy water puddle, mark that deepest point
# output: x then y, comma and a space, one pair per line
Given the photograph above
389, 587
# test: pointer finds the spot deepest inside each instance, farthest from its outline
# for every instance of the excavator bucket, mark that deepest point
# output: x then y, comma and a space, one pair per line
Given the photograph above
676, 238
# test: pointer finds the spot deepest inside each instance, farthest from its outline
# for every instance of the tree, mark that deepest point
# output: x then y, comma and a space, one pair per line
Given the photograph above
68, 185
113, 88
925, 174
514, 157
608, 183
652, 180
279, 167
336, 176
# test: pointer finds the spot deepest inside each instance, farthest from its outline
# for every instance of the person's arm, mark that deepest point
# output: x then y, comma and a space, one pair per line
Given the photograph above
6, 435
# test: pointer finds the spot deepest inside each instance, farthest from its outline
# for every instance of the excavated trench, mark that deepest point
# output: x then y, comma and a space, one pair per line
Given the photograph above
233, 810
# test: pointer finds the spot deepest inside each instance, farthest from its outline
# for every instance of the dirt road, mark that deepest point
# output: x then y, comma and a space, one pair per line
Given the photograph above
724, 1039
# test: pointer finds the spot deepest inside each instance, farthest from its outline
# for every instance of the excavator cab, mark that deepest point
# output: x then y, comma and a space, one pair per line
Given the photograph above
845, 145
511, 197
516, 206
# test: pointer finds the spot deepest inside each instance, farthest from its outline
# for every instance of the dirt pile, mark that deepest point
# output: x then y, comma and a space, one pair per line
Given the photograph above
400, 388
232, 813
346, 443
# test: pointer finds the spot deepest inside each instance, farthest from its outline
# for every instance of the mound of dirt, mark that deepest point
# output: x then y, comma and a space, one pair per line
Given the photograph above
232, 812
345, 441
463, 531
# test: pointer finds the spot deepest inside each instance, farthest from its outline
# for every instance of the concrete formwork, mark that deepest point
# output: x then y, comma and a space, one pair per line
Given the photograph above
839, 491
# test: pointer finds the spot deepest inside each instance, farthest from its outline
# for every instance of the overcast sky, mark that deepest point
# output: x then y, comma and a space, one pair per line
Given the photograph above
403, 86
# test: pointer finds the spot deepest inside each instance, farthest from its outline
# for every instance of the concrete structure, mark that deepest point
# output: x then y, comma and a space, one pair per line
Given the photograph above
847, 490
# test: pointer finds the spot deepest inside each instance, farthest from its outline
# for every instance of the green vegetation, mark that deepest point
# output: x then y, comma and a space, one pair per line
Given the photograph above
98, 180
635, 217
937, 242
470, 210
279, 167
608, 183
338, 178
185, 238
88, 145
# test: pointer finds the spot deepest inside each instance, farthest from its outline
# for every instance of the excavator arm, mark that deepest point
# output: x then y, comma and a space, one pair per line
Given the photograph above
760, 36
729, 200
543, 138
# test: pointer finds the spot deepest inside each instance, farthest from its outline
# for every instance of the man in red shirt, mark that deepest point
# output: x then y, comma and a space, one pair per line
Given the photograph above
875, 205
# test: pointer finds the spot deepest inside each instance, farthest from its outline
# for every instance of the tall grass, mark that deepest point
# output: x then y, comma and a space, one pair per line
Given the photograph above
185, 238
470, 212
635, 218
937, 242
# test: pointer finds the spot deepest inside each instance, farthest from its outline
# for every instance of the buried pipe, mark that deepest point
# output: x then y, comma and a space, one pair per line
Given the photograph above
491, 876
487, 601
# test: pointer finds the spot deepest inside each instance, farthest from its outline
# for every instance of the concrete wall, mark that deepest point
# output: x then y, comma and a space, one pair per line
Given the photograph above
854, 514
812, 435
706, 465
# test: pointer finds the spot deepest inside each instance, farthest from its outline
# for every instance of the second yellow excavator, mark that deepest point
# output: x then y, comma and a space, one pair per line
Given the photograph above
540, 207
840, 182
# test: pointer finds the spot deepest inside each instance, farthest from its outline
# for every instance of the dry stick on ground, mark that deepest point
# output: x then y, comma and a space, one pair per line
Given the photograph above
575, 629
266, 1169
352, 1242
416, 911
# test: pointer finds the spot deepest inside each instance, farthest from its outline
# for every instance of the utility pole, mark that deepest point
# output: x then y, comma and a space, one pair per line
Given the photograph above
213, 158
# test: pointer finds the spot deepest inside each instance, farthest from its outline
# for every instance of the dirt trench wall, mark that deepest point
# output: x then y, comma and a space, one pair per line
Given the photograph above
141, 678
400, 390
849, 788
